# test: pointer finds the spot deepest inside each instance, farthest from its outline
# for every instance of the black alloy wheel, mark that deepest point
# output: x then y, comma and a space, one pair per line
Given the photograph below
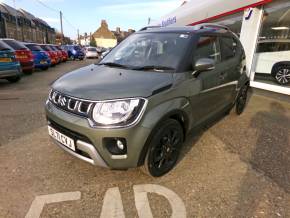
242, 99
164, 148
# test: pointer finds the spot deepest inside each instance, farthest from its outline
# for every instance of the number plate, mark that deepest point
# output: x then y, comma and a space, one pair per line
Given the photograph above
61, 138
5, 60
21, 56
43, 62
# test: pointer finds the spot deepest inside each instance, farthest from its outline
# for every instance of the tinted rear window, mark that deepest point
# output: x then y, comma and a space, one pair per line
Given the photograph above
92, 49
34, 47
228, 48
45, 48
53, 48
273, 46
15, 45
77, 48
4, 46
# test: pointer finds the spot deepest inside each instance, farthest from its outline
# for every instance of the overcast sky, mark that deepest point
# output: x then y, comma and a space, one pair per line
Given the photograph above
86, 15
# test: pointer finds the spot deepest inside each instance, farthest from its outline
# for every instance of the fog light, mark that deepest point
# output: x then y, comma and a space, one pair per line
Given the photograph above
120, 145
116, 146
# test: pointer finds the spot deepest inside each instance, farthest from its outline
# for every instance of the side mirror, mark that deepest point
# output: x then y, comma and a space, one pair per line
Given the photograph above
203, 64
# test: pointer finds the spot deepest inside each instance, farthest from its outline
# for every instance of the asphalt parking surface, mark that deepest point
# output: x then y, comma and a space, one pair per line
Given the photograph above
238, 167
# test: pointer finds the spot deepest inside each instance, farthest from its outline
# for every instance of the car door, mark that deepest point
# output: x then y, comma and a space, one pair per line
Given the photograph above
231, 65
208, 101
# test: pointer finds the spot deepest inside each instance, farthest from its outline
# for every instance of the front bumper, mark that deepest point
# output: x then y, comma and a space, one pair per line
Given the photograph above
91, 140
9, 73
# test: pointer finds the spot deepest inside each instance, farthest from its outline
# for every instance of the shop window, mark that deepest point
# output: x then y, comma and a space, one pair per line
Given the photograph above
272, 58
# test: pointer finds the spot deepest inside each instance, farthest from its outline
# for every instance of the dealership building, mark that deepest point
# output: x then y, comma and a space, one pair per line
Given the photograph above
263, 27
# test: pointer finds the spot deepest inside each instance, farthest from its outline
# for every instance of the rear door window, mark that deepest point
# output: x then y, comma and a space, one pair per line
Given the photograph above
15, 45
228, 47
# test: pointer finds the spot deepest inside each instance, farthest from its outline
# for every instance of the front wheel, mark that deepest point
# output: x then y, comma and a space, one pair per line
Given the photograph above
164, 149
282, 75
242, 99
14, 79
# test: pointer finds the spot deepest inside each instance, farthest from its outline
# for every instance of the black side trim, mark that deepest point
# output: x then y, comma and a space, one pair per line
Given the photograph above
156, 91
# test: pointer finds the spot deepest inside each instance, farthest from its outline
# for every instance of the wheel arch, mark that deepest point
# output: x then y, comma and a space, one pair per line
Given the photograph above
276, 65
176, 114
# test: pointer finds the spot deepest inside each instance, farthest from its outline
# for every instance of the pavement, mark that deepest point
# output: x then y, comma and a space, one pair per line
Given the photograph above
237, 167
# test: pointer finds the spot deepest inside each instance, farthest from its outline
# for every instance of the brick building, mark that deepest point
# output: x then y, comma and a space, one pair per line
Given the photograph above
30, 28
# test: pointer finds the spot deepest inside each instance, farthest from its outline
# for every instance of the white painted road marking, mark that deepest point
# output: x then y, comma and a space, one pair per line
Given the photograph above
142, 203
39, 202
113, 205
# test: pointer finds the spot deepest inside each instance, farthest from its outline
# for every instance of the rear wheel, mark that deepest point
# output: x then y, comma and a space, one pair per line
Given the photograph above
14, 79
164, 149
282, 74
242, 99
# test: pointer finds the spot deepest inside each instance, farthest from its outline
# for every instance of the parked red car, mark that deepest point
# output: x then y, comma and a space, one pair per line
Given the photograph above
64, 53
59, 54
23, 55
52, 54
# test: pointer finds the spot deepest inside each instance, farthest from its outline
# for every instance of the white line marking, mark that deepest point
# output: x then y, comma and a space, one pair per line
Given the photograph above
113, 205
39, 202
142, 203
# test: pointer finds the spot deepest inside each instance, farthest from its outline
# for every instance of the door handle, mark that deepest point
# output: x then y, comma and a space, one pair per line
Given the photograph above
222, 75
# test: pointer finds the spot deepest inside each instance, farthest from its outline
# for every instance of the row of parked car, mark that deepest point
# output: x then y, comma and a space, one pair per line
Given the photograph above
19, 57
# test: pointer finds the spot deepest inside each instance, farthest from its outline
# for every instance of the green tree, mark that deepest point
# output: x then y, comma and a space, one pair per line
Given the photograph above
93, 42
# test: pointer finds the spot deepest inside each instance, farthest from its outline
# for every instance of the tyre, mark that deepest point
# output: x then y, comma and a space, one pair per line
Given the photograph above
72, 58
282, 74
44, 68
164, 149
242, 99
14, 79
28, 72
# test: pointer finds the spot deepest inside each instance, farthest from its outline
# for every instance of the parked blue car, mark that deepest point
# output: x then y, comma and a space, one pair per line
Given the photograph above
10, 68
41, 58
74, 52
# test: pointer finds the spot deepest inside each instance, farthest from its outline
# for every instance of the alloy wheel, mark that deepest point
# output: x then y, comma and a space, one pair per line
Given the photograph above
166, 148
283, 76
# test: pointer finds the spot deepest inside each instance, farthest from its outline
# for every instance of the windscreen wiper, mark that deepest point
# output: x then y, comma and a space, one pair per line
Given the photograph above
112, 64
154, 67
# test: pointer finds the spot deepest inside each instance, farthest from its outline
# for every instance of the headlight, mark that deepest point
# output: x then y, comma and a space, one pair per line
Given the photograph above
119, 112
74, 51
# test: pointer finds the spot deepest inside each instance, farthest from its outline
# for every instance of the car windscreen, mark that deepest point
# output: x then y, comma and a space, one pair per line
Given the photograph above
77, 48
45, 48
14, 44
4, 46
149, 49
53, 48
92, 49
34, 47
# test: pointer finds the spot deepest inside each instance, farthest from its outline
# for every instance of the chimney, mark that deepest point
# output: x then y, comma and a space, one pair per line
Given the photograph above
118, 29
104, 24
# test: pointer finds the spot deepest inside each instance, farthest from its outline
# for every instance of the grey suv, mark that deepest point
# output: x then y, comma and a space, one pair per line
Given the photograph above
137, 105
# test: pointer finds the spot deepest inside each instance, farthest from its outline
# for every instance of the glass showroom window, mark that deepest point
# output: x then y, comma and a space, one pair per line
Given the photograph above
272, 59
234, 22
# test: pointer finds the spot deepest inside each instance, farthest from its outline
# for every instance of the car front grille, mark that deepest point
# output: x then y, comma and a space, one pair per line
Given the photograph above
73, 105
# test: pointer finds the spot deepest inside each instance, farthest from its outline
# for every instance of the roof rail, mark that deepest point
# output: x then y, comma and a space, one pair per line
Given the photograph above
211, 25
149, 27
